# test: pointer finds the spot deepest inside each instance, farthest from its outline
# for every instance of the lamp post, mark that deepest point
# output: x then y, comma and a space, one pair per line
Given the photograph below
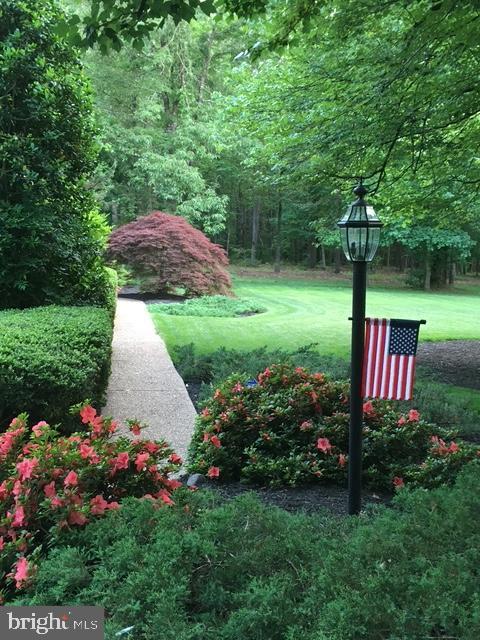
360, 235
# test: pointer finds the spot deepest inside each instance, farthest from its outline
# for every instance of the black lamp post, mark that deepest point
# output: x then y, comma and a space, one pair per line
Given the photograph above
360, 234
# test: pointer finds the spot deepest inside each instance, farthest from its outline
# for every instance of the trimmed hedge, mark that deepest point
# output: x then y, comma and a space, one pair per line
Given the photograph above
51, 358
199, 571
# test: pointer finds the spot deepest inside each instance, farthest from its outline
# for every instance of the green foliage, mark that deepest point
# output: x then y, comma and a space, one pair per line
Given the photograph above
51, 358
291, 427
52, 237
214, 306
243, 570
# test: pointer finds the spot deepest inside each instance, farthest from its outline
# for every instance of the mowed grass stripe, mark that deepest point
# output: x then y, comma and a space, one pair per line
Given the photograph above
300, 313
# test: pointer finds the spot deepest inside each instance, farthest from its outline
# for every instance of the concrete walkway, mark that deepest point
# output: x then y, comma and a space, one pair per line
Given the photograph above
144, 385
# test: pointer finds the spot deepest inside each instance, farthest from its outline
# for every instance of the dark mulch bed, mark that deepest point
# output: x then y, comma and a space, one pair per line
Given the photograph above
152, 298
455, 361
309, 499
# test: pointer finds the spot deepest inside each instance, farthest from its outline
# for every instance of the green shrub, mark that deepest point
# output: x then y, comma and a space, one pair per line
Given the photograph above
291, 427
52, 236
214, 368
214, 306
199, 571
51, 358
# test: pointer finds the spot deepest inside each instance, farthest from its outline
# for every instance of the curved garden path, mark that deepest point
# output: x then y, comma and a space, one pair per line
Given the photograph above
144, 384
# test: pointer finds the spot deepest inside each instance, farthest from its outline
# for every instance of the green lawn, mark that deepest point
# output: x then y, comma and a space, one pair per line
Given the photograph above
301, 312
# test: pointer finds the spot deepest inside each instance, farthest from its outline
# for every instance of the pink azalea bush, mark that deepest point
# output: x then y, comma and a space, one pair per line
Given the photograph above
291, 426
50, 482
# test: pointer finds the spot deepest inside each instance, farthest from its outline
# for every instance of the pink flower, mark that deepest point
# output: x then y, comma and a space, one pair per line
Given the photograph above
18, 517
342, 460
206, 437
26, 468
172, 484
401, 421
368, 409
88, 414
141, 461
453, 448
413, 415
151, 447
120, 462
237, 388
113, 506
398, 482
323, 444
71, 479
21, 574
306, 425
39, 428
2, 543
98, 504
77, 517
205, 412
135, 429
213, 472
165, 497
86, 451
175, 458
3, 490
49, 489
215, 440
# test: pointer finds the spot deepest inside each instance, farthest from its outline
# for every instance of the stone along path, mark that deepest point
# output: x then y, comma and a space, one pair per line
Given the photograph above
144, 384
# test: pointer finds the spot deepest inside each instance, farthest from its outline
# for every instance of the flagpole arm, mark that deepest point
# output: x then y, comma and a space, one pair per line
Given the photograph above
419, 322
356, 396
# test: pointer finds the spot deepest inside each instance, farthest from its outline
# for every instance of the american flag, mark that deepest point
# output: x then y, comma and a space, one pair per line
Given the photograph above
389, 358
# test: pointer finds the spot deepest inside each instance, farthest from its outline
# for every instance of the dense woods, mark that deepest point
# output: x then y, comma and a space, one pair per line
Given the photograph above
255, 129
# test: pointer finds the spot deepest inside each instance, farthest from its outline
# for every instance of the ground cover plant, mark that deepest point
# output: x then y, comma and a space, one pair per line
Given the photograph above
51, 358
50, 482
204, 570
169, 254
210, 306
300, 312
289, 427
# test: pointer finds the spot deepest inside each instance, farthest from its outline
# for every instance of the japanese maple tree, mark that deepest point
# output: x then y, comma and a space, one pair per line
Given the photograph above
168, 253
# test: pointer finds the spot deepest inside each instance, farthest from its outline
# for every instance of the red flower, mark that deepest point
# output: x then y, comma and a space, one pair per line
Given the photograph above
141, 461
98, 504
39, 428
323, 444
368, 409
135, 429
71, 479
213, 472
215, 440
22, 573
77, 517
342, 460
120, 462
18, 517
26, 468
306, 425
88, 414
413, 415
453, 448
49, 489
113, 506
205, 412
165, 497
398, 482
151, 447
175, 458
401, 421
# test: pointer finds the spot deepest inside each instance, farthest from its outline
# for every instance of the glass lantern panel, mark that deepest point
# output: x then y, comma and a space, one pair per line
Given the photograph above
373, 242
344, 239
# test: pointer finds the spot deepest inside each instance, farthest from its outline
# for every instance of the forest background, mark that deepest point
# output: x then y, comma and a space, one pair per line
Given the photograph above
255, 128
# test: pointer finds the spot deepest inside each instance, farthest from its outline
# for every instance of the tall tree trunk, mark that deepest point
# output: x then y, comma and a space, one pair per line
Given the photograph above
388, 257
451, 272
337, 259
428, 272
278, 238
312, 256
322, 257
255, 232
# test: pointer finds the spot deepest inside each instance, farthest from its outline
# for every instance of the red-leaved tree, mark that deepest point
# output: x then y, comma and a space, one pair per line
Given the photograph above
170, 253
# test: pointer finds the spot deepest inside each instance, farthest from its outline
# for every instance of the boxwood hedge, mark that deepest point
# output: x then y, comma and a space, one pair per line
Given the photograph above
51, 358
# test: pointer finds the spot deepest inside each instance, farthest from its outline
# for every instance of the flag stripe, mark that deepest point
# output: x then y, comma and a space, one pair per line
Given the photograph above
365, 359
386, 363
